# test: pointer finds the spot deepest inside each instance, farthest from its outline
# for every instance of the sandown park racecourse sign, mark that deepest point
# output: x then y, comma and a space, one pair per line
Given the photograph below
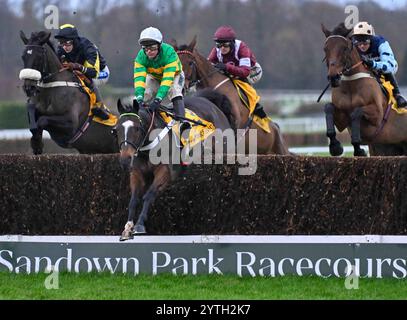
271, 256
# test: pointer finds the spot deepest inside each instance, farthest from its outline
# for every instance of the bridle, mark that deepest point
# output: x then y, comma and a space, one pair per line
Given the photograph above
348, 67
44, 74
145, 133
195, 78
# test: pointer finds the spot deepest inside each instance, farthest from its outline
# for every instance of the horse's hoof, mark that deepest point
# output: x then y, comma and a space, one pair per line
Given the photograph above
360, 153
335, 149
126, 235
139, 229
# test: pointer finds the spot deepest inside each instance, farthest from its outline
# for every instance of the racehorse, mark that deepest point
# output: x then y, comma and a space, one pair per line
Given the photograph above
358, 102
57, 104
199, 71
148, 179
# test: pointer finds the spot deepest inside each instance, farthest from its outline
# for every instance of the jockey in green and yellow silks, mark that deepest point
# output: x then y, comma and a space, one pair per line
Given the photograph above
158, 73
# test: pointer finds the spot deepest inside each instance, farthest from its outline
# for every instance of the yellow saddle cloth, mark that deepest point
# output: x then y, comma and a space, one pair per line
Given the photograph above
253, 98
197, 133
111, 122
392, 100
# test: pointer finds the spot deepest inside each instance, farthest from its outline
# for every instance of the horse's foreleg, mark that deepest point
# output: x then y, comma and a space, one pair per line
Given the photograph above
162, 176
137, 185
356, 140
36, 139
335, 147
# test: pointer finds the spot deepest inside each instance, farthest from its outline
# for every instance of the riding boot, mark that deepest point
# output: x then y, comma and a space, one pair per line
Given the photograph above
401, 102
179, 109
259, 111
99, 109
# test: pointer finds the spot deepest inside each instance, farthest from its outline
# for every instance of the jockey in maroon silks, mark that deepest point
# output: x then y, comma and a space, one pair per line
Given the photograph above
234, 57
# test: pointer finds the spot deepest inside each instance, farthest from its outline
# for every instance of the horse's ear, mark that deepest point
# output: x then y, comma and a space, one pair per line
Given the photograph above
325, 31
45, 38
192, 45
23, 37
173, 43
120, 107
136, 106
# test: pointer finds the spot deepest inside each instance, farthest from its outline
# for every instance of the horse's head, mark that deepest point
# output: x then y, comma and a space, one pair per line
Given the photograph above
35, 59
131, 132
338, 49
189, 63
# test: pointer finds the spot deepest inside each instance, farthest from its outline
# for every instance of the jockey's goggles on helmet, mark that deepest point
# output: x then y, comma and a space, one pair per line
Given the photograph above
220, 44
66, 42
151, 47
361, 40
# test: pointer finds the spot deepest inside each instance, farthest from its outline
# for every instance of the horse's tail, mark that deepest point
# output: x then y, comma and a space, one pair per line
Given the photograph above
218, 99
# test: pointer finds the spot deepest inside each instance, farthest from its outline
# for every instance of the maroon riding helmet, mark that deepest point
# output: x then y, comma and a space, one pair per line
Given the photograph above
225, 34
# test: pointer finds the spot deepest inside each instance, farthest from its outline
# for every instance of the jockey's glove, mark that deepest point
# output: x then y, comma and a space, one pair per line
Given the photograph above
221, 66
155, 104
368, 62
73, 66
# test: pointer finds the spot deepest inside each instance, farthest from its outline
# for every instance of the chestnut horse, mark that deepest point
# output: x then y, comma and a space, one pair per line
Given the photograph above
358, 102
199, 70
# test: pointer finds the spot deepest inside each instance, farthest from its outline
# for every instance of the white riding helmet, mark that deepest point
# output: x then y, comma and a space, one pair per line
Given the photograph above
363, 29
150, 34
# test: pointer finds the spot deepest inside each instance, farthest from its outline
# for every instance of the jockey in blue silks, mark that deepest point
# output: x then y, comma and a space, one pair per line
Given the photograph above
376, 53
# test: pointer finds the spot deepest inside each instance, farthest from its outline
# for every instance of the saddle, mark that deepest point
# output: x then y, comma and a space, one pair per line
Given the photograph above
250, 99
85, 83
197, 132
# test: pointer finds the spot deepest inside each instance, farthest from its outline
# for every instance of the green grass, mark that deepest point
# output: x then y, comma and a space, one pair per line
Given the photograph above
202, 287
13, 115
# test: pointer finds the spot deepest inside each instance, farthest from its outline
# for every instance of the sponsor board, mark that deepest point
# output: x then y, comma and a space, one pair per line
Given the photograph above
271, 256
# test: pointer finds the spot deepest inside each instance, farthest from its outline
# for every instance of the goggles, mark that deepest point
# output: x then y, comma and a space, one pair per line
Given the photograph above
153, 47
223, 44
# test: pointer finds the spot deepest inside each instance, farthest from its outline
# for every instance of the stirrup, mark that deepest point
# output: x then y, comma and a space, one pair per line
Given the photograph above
401, 101
101, 113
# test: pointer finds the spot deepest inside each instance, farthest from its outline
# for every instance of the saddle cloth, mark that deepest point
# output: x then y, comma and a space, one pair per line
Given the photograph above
197, 133
111, 122
245, 89
391, 99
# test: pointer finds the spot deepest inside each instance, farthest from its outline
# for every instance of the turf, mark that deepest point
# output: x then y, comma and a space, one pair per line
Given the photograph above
203, 287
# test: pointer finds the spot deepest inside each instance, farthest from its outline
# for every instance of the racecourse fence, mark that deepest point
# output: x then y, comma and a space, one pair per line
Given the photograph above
88, 195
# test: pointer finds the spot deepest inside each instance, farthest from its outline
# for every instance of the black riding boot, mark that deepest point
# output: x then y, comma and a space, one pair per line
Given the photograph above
179, 108
401, 102
259, 111
99, 110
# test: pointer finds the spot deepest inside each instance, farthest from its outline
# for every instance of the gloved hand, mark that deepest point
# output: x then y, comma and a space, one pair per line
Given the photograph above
155, 104
368, 62
220, 66
74, 66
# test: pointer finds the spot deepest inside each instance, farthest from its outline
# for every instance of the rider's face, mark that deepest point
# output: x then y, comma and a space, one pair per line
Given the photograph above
151, 51
67, 45
225, 47
363, 46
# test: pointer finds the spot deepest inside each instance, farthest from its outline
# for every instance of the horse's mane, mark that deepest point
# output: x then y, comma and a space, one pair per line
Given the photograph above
341, 30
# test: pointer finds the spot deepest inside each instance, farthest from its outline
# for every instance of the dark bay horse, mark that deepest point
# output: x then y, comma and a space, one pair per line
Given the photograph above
57, 104
358, 102
149, 178
199, 70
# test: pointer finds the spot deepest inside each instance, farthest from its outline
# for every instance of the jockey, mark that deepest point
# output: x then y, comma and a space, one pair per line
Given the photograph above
376, 53
79, 54
158, 74
234, 57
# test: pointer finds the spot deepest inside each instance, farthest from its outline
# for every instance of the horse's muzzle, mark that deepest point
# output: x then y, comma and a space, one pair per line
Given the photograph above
126, 159
335, 81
